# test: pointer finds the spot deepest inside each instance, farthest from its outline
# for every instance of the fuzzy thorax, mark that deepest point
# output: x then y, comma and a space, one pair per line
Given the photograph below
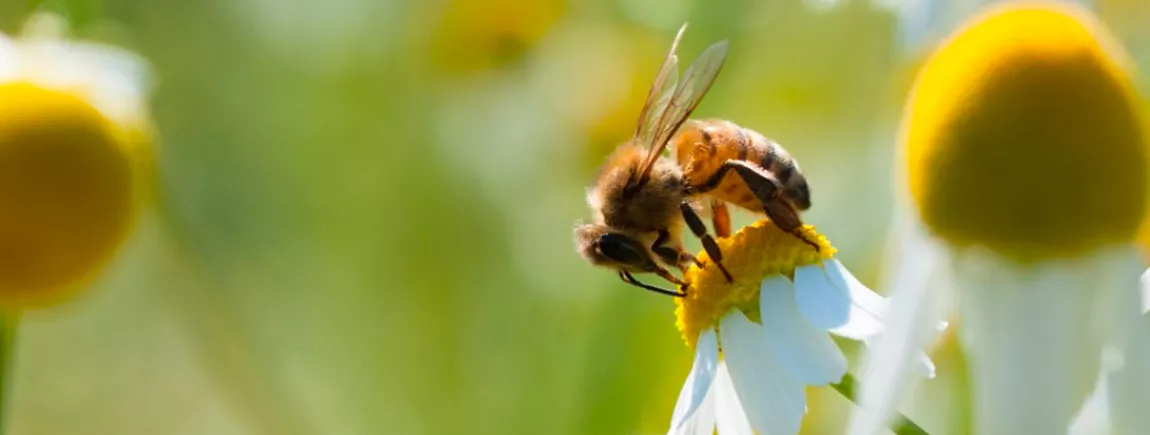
1023, 135
753, 253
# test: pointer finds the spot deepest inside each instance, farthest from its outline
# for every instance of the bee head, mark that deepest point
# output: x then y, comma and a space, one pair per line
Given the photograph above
603, 246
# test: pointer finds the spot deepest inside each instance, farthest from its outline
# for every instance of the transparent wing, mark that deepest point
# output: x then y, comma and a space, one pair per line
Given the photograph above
685, 98
660, 94
649, 125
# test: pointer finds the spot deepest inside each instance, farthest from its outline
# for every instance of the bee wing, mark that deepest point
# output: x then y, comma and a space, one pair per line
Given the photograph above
686, 97
660, 94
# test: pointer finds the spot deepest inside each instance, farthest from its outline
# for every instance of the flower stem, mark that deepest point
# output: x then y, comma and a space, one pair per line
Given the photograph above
8, 322
901, 425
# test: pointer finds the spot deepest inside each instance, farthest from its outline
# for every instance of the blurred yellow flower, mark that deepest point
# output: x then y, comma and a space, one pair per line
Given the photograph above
1026, 170
472, 35
73, 153
770, 327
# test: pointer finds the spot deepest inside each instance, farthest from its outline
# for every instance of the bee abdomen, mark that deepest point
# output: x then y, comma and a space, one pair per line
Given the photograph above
776, 160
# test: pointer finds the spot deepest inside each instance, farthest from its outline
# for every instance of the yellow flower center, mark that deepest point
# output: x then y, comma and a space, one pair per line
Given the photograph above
1022, 135
473, 35
66, 193
750, 255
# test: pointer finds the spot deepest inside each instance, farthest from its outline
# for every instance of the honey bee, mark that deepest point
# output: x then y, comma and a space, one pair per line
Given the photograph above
641, 198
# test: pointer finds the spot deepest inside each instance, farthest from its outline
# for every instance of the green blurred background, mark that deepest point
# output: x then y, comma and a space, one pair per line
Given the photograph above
366, 210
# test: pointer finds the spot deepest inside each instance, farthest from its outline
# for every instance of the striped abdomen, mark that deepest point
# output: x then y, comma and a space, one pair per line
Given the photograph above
701, 147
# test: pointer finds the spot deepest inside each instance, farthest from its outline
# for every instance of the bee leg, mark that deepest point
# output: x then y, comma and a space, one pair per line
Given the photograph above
686, 257
780, 212
720, 218
671, 255
627, 278
667, 254
663, 273
713, 181
766, 188
700, 230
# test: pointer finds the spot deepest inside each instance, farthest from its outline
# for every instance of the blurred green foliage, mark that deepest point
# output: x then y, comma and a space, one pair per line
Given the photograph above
366, 211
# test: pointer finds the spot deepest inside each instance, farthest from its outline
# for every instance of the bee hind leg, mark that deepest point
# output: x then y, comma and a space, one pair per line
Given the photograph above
788, 220
766, 188
700, 230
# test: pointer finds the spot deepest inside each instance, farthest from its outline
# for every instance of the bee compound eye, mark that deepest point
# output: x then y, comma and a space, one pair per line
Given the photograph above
622, 250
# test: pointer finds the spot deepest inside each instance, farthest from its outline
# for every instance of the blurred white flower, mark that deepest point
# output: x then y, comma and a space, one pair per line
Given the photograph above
1026, 166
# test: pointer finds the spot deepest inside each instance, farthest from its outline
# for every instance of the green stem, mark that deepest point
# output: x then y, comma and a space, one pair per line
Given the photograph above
900, 425
8, 322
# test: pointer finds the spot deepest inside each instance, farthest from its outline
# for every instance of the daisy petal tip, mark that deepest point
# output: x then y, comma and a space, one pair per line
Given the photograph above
822, 305
831, 298
698, 383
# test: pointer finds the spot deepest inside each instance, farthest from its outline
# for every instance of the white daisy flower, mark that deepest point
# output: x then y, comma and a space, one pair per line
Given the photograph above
1026, 163
74, 154
761, 340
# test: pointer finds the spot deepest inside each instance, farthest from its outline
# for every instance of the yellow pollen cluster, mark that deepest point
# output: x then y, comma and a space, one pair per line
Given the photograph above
753, 253
1023, 135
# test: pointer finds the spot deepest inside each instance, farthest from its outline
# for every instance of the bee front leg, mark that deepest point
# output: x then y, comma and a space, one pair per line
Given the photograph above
671, 255
766, 188
700, 230
627, 278
667, 254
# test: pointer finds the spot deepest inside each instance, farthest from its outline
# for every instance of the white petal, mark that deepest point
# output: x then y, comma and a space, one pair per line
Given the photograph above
831, 298
808, 354
730, 419
1145, 281
1119, 271
1093, 418
1129, 390
868, 307
917, 305
702, 422
922, 364
773, 400
699, 381
115, 81
9, 59
1047, 318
